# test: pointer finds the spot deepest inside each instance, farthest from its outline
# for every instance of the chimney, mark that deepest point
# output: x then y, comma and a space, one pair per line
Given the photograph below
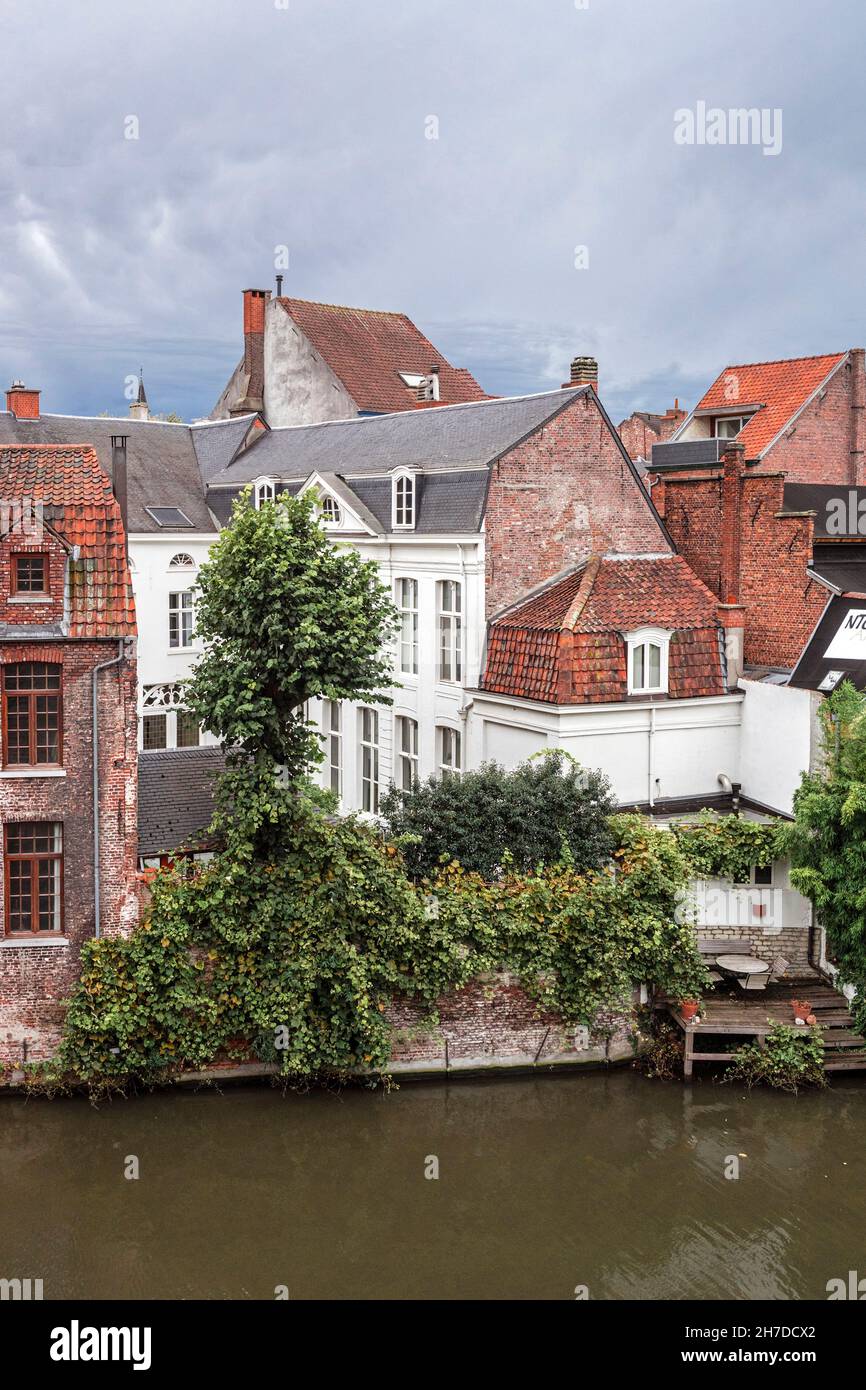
279, 286
254, 352
858, 416
119, 480
21, 402
731, 611
139, 409
584, 372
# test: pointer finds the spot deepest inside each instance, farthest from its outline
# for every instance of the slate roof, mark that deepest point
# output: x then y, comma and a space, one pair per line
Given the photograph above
780, 388
79, 505
368, 348
162, 459
175, 796
457, 436
563, 644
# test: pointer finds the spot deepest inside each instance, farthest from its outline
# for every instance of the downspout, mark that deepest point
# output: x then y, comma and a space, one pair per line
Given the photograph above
651, 755
103, 666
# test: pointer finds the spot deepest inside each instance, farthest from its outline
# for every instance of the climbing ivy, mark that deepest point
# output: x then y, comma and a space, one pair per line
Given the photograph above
727, 846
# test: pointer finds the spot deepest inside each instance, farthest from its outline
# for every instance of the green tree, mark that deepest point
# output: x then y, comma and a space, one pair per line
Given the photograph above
531, 814
284, 616
827, 840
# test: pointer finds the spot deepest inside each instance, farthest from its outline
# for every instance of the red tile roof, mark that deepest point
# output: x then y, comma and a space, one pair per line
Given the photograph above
79, 505
564, 645
780, 388
368, 348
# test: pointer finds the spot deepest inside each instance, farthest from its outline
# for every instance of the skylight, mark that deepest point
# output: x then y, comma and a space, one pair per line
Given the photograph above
170, 517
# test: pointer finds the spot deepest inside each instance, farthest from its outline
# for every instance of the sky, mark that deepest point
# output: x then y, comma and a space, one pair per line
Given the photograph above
517, 176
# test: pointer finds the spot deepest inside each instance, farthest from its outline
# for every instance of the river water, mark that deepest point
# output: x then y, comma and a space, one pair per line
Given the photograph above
612, 1182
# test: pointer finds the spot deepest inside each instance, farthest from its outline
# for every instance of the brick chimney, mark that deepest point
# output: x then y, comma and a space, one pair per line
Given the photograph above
254, 352
858, 416
731, 611
584, 372
21, 402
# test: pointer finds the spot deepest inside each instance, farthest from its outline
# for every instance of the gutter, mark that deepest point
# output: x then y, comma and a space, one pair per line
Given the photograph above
103, 666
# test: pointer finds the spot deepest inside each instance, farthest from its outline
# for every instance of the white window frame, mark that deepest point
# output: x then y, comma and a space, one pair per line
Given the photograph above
180, 610
264, 490
403, 511
449, 631
740, 420
330, 504
449, 748
368, 758
332, 735
406, 750
164, 700
646, 637
406, 600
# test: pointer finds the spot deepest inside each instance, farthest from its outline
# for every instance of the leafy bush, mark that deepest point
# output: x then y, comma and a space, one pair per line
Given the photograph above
491, 817
727, 846
789, 1059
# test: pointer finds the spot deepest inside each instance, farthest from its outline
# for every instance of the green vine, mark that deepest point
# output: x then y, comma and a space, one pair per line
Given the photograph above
790, 1058
727, 846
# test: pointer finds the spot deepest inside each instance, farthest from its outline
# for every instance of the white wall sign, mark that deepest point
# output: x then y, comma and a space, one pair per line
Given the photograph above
850, 639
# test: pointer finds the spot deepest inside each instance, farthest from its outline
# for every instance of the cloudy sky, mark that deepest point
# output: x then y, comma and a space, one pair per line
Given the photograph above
306, 124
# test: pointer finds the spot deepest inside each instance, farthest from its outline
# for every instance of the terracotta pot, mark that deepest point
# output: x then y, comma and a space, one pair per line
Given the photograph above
802, 1009
811, 1020
689, 1008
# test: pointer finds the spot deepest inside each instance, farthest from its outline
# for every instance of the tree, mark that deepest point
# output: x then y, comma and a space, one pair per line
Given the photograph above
531, 813
285, 616
827, 841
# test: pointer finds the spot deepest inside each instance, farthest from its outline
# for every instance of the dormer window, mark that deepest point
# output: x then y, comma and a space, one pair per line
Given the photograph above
729, 426
265, 490
332, 514
404, 501
648, 661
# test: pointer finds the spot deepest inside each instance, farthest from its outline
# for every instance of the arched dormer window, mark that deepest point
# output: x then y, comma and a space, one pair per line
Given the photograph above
264, 490
332, 513
404, 501
181, 561
647, 649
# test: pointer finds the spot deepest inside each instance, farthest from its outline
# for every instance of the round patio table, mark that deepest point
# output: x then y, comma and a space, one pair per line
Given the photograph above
742, 965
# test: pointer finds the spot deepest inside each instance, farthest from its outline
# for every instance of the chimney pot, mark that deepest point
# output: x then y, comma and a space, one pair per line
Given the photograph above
119, 481
584, 372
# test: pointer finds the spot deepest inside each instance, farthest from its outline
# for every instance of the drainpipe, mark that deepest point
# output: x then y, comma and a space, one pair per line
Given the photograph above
651, 755
115, 660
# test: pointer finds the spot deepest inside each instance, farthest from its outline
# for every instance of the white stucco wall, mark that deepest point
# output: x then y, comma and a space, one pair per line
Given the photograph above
778, 741
300, 389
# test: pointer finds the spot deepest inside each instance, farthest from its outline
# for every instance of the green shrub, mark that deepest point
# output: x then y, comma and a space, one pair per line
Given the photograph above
789, 1059
491, 817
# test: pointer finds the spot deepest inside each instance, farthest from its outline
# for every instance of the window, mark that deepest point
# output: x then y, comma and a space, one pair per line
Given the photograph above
265, 490
181, 561
180, 616
404, 500
154, 731
449, 752
450, 631
34, 873
187, 730
729, 426
763, 875
648, 661
369, 740
30, 574
407, 752
332, 733
32, 714
407, 603
331, 513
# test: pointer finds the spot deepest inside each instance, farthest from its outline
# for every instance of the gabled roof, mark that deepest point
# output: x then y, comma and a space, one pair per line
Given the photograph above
781, 389
79, 505
166, 463
464, 436
368, 348
563, 643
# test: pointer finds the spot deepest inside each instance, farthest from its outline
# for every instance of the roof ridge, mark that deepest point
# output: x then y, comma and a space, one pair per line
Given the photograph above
785, 361
345, 308
560, 393
581, 598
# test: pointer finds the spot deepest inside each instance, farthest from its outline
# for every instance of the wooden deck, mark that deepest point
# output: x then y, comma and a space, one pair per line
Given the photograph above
729, 1013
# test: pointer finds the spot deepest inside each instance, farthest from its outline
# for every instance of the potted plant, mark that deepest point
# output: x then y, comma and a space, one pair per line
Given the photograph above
689, 1009
802, 1010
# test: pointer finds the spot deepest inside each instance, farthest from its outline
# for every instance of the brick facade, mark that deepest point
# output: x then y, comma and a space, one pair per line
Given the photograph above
564, 493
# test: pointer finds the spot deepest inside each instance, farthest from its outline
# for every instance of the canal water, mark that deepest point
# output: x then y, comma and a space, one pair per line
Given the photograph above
611, 1182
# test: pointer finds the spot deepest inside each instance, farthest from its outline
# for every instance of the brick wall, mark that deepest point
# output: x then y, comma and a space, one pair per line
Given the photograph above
792, 943
562, 494
14, 608
36, 978
641, 431
820, 446
493, 1021
781, 604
